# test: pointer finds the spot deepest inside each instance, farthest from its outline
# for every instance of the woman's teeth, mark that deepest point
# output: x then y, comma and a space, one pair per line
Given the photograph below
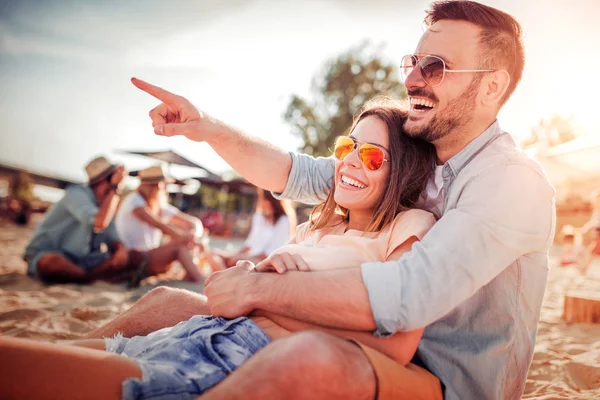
352, 182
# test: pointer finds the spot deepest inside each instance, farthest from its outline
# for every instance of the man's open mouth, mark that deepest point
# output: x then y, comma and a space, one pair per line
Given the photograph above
420, 104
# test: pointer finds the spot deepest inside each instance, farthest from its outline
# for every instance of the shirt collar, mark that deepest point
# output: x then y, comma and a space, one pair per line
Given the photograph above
463, 157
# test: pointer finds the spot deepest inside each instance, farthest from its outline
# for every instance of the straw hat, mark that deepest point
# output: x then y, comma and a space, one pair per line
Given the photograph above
99, 169
154, 174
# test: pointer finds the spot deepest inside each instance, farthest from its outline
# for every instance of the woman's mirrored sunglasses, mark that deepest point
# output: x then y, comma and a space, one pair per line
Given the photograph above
370, 155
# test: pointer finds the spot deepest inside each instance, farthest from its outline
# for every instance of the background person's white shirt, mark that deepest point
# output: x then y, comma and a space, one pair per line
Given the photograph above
265, 237
136, 234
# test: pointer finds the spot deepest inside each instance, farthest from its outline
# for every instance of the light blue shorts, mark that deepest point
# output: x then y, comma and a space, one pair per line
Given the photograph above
189, 358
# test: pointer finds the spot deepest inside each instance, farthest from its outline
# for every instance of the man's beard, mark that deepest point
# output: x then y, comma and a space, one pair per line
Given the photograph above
457, 114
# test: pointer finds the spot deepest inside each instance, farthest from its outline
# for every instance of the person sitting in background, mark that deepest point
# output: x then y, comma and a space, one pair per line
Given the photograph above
77, 241
145, 215
573, 251
593, 223
270, 230
20, 201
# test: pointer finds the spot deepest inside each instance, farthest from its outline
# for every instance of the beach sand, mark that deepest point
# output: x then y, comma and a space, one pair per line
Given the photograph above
566, 363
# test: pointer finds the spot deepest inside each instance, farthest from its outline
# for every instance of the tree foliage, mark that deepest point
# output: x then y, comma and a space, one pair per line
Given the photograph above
338, 91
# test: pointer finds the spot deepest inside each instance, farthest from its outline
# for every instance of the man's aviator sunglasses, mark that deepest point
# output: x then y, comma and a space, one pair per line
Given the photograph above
433, 68
370, 155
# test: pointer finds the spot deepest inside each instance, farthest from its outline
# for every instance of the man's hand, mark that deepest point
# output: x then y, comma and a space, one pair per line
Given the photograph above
176, 115
118, 177
282, 262
229, 292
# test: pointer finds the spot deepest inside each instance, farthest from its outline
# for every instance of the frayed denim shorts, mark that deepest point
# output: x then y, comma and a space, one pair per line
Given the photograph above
189, 358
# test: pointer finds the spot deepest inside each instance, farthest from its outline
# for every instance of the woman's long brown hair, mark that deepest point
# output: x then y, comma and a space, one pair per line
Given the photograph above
412, 162
278, 210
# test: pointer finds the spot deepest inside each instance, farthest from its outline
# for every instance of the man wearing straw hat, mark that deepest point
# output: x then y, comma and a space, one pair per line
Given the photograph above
76, 241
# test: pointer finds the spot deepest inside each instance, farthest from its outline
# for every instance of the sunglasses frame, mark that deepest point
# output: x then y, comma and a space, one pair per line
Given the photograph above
419, 58
357, 145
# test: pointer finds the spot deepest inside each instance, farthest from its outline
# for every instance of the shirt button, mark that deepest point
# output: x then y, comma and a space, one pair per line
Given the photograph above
446, 172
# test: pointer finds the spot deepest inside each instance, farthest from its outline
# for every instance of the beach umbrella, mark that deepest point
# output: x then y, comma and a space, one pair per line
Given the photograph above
171, 158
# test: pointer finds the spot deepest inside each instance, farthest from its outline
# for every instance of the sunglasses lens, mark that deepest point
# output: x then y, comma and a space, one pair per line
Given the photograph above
371, 156
432, 69
407, 65
343, 146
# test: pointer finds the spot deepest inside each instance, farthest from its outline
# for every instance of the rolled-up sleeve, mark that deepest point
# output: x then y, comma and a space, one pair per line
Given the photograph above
310, 179
79, 204
503, 213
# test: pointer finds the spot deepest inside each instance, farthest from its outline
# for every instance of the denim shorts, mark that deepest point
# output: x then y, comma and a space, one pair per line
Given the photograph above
189, 358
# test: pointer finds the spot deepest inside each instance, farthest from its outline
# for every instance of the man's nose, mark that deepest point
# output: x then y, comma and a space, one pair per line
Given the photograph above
414, 80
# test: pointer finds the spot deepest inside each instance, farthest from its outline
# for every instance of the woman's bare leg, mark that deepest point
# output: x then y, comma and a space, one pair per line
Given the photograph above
215, 261
36, 370
160, 259
159, 308
186, 259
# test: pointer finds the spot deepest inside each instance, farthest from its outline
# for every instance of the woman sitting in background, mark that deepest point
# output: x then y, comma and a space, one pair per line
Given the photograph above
145, 215
271, 228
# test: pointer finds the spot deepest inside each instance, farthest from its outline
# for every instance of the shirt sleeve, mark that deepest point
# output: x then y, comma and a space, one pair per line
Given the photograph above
406, 225
310, 179
502, 214
79, 204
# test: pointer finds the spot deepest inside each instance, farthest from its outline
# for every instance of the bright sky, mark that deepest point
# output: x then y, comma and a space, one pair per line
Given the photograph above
65, 94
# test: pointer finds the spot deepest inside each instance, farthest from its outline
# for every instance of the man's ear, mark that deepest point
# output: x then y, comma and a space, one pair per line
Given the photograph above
495, 86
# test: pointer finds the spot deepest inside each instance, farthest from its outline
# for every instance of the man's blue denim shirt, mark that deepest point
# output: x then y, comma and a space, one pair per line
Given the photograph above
476, 281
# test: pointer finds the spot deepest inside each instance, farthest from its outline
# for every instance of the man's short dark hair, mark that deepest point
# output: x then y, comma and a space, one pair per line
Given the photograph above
501, 35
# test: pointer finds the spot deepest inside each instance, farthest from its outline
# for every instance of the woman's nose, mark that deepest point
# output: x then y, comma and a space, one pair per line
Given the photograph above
353, 159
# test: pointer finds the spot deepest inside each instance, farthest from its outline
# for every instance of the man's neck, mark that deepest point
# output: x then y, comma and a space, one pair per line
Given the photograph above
452, 144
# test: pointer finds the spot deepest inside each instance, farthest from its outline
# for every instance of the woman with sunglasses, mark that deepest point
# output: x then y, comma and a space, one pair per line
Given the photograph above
369, 215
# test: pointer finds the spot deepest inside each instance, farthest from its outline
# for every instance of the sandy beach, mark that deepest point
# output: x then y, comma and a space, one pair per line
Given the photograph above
566, 363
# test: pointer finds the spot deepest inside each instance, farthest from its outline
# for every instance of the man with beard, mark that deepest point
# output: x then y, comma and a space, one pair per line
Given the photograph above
475, 282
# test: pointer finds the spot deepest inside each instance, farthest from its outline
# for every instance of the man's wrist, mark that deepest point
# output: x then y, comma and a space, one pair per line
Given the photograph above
255, 293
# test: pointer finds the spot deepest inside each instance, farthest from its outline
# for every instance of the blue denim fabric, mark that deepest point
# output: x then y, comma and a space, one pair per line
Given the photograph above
476, 281
189, 358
